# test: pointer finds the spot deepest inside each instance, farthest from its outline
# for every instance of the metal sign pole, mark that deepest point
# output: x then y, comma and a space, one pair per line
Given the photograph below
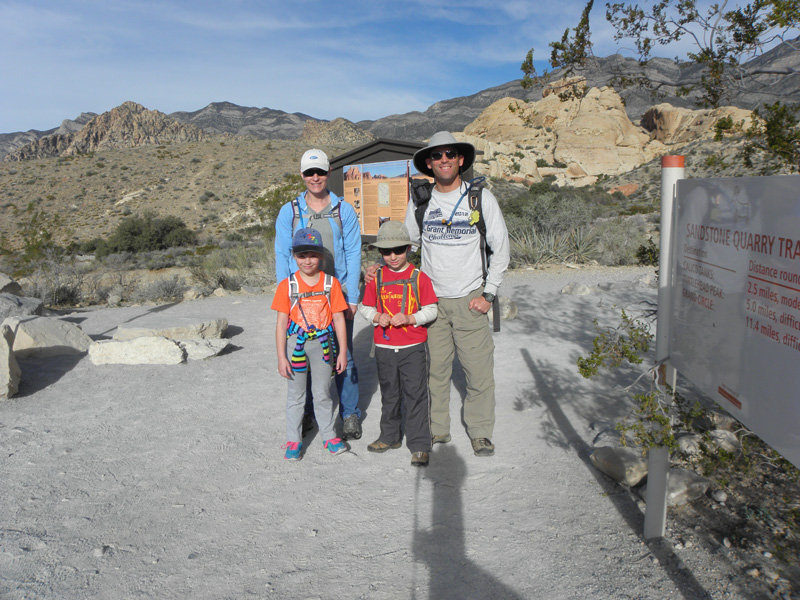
655, 515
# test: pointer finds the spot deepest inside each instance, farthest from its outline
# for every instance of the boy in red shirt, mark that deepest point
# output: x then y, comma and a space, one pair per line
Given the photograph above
398, 302
310, 307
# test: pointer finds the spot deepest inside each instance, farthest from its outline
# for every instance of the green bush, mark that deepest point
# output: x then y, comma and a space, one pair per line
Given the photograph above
647, 254
269, 205
618, 239
146, 233
170, 288
231, 268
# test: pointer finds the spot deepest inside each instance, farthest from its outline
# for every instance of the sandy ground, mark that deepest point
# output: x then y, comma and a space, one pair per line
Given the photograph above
169, 481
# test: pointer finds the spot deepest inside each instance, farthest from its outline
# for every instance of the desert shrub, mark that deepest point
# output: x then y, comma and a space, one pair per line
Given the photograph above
618, 239
551, 224
168, 288
57, 280
146, 232
232, 268
648, 254
268, 205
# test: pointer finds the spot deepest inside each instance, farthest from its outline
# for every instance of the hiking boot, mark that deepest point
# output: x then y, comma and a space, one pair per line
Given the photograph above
441, 439
292, 450
351, 428
379, 446
419, 459
335, 446
308, 424
483, 447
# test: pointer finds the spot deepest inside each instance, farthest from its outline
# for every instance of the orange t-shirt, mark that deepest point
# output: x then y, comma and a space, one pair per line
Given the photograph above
316, 309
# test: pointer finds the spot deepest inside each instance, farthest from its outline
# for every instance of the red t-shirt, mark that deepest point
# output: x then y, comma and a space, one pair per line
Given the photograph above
391, 301
318, 312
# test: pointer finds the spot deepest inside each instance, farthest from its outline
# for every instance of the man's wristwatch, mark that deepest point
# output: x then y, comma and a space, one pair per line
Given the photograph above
488, 297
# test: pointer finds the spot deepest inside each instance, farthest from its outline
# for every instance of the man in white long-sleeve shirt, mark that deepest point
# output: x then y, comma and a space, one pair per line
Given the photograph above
452, 258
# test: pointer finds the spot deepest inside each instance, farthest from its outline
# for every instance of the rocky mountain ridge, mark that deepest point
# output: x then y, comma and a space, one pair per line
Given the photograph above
456, 113
259, 123
128, 125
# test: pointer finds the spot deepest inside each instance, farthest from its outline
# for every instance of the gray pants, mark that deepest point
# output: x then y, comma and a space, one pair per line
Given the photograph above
324, 407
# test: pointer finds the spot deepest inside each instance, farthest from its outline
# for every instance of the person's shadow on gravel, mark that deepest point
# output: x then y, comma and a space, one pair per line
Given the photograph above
441, 545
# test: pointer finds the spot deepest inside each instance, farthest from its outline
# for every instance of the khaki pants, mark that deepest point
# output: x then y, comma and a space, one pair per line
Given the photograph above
459, 329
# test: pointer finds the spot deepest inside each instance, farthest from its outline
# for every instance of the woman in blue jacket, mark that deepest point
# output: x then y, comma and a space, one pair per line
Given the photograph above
337, 222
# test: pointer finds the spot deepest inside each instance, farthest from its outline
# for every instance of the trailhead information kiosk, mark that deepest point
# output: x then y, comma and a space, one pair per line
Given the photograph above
735, 326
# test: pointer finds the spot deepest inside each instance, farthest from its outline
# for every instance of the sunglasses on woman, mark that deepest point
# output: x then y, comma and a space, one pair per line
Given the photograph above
312, 172
437, 154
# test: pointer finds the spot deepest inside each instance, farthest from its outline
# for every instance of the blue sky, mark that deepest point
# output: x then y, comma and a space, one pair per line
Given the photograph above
357, 59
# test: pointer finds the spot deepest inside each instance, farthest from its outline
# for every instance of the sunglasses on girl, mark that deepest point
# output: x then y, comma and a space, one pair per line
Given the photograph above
312, 172
396, 251
449, 153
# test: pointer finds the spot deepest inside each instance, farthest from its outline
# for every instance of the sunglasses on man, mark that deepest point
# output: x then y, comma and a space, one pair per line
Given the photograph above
437, 154
312, 172
396, 251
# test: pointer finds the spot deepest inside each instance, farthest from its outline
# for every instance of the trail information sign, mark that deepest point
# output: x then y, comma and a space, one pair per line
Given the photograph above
378, 192
736, 300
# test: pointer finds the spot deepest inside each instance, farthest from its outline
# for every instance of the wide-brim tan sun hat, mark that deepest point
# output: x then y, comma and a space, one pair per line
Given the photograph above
392, 234
443, 138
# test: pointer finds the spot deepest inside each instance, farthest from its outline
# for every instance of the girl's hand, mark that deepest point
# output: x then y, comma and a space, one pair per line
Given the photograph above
384, 320
284, 367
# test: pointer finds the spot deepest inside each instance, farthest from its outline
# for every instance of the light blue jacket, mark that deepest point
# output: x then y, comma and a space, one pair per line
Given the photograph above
346, 241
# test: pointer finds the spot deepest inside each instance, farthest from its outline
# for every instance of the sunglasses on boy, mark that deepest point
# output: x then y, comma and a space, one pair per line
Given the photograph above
449, 153
312, 172
396, 251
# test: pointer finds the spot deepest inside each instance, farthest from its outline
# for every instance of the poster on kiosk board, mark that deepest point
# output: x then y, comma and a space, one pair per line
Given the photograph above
378, 191
736, 300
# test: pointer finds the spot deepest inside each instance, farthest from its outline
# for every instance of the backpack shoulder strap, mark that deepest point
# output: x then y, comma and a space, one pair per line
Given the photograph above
475, 195
420, 195
337, 215
296, 213
415, 286
378, 286
294, 290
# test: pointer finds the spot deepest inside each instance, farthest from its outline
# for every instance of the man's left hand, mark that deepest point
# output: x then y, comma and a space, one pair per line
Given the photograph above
480, 304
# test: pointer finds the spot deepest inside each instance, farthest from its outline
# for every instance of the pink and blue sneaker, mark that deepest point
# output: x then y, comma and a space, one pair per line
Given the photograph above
335, 446
292, 450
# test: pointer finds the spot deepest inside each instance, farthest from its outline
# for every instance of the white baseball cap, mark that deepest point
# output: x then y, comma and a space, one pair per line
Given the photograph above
314, 159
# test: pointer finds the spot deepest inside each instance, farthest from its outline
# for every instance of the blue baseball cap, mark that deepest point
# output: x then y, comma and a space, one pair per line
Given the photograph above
307, 239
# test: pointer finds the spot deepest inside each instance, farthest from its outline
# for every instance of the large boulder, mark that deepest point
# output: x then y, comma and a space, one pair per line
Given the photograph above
201, 349
674, 125
12, 305
174, 329
10, 373
626, 465
8, 285
684, 486
590, 135
139, 351
44, 336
